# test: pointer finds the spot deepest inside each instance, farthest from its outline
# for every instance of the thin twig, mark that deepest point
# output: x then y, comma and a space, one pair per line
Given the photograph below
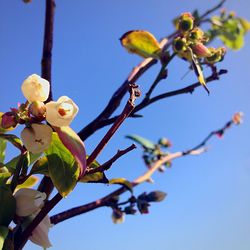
105, 166
134, 93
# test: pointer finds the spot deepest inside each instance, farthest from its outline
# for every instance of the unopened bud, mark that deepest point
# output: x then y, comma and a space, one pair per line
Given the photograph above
186, 22
37, 109
155, 196
8, 120
201, 50
217, 55
118, 216
165, 142
237, 118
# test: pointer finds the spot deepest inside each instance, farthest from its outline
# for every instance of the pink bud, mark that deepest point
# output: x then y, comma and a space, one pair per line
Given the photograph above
8, 120
201, 50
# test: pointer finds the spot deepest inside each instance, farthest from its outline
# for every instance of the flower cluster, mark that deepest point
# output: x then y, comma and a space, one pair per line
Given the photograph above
193, 39
37, 136
28, 205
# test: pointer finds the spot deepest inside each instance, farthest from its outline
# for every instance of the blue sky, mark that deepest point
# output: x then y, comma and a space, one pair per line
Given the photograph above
208, 199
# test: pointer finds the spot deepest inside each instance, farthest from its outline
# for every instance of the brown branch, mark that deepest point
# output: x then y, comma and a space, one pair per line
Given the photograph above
48, 43
134, 93
105, 166
186, 90
106, 199
208, 12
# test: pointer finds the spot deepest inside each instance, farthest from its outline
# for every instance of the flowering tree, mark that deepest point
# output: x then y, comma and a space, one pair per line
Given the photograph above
51, 149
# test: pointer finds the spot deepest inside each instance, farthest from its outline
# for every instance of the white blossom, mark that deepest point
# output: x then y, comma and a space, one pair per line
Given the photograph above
37, 138
35, 88
28, 201
62, 112
39, 235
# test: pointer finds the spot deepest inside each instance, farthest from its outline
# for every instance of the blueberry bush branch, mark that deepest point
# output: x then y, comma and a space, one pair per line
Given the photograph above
105, 201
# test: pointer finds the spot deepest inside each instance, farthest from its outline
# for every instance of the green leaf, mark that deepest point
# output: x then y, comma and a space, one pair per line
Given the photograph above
4, 177
97, 177
13, 139
121, 181
145, 143
198, 71
3, 145
41, 166
30, 182
30, 158
63, 168
3, 234
8, 205
245, 24
142, 43
74, 144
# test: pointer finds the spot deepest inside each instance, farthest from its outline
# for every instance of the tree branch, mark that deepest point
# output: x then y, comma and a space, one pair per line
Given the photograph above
134, 93
105, 166
199, 149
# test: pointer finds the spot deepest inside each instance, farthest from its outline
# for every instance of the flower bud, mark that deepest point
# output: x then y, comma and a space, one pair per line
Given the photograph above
179, 44
37, 138
201, 50
35, 88
62, 112
165, 142
40, 233
8, 120
155, 196
28, 201
37, 109
217, 55
118, 216
196, 35
186, 22
237, 118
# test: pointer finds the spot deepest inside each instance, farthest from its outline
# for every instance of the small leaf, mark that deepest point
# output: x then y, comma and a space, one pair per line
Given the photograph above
13, 139
30, 182
145, 143
63, 168
8, 205
41, 166
4, 177
123, 182
198, 70
142, 43
97, 177
3, 145
74, 144
3, 234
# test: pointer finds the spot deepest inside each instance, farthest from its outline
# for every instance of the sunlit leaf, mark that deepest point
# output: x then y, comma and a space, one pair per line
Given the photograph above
74, 144
98, 177
3, 234
198, 71
123, 182
145, 143
3, 145
4, 177
142, 43
30, 182
63, 169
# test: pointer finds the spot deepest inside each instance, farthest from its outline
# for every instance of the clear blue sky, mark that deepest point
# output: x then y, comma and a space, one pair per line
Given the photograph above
208, 199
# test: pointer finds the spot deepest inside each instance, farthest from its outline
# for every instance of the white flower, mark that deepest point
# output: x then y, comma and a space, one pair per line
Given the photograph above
62, 112
28, 201
35, 88
39, 235
37, 138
